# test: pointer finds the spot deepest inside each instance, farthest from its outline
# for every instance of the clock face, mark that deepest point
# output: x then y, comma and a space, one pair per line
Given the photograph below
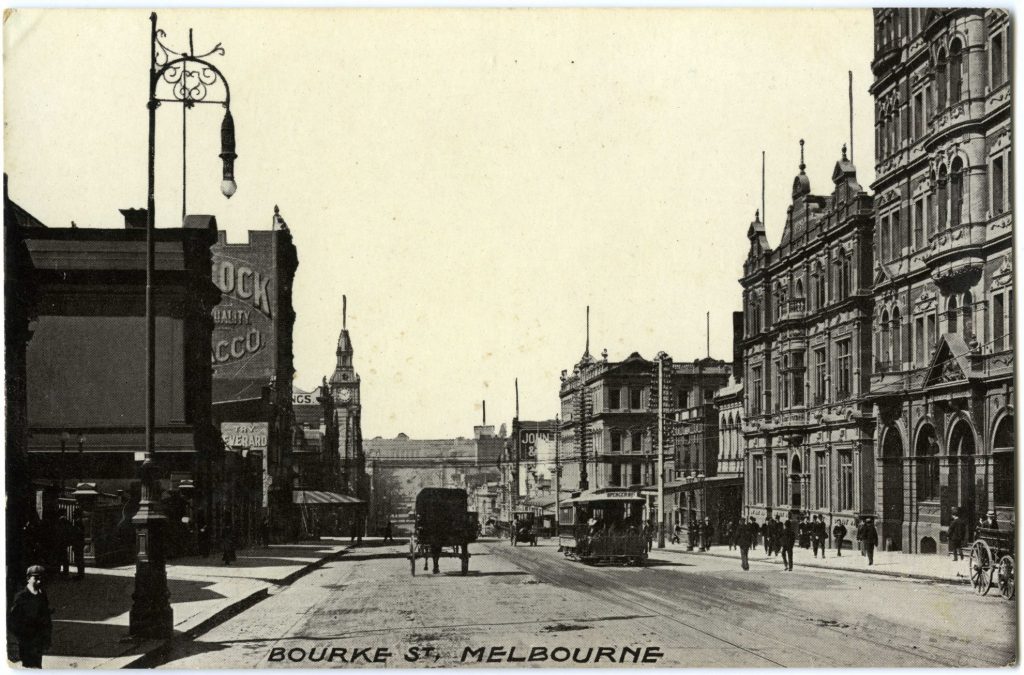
344, 395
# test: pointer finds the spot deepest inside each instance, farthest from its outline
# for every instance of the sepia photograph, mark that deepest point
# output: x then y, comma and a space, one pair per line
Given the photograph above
663, 337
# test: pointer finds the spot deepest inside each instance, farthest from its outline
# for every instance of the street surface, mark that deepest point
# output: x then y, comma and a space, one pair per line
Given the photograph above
682, 610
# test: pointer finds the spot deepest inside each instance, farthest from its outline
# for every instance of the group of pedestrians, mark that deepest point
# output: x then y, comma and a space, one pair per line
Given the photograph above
51, 540
781, 536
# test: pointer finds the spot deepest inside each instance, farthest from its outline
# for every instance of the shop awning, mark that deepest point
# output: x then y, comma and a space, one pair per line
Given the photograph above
310, 497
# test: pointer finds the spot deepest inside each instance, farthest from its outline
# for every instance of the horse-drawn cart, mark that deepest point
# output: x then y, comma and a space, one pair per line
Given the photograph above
444, 527
991, 562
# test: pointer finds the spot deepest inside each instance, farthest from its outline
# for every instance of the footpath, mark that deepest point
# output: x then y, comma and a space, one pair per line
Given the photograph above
90, 618
927, 567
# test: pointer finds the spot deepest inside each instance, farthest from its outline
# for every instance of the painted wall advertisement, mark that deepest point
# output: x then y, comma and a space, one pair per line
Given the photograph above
244, 331
245, 438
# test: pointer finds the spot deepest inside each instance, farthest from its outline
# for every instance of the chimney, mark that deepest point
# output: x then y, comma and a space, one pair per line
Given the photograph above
199, 222
134, 219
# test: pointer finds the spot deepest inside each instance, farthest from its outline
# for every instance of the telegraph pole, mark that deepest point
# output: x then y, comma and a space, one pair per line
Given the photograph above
661, 450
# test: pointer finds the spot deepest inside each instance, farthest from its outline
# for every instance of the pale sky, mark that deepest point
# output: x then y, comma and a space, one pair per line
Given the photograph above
471, 179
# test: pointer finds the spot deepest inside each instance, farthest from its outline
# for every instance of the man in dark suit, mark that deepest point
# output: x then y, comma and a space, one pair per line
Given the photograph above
869, 538
745, 534
786, 540
957, 535
819, 535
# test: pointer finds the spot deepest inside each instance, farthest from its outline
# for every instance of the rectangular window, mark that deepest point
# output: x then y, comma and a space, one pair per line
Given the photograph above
918, 116
759, 479
635, 478
845, 481
919, 355
616, 475
886, 239
844, 370
998, 339
997, 186
931, 336
684, 399
929, 102
781, 480
613, 398
897, 237
1009, 318
637, 441
997, 61
755, 391
821, 485
929, 229
616, 442
820, 372
636, 397
798, 378
1003, 475
779, 401
919, 224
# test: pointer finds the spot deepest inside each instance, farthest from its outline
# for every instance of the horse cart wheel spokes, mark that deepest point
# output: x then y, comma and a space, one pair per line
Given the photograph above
981, 565
1006, 579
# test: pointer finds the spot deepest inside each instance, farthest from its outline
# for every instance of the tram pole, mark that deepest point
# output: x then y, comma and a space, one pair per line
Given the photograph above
661, 450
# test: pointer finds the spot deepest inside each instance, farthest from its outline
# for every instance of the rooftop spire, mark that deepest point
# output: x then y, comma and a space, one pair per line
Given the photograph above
586, 351
344, 312
844, 151
802, 165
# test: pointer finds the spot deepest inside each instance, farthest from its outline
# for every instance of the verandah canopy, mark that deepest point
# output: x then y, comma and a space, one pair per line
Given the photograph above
314, 497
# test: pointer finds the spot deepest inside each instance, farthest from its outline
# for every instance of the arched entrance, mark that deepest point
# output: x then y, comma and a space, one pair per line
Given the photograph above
795, 494
892, 488
961, 470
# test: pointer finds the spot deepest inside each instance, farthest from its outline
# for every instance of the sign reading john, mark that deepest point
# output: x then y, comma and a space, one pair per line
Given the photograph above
245, 329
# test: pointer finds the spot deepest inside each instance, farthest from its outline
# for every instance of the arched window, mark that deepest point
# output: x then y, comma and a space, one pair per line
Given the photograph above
968, 312
927, 452
940, 81
955, 74
897, 340
956, 192
884, 344
941, 199
951, 318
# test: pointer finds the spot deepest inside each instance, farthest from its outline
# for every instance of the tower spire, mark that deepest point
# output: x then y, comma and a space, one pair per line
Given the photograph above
344, 312
802, 165
586, 350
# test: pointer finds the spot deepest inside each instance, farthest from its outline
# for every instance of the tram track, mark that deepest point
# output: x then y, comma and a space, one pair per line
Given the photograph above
737, 616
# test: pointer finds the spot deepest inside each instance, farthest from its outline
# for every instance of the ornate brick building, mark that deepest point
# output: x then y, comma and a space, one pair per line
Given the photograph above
806, 355
942, 386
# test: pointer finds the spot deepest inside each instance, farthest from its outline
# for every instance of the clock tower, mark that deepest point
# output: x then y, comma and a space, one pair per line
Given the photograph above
344, 386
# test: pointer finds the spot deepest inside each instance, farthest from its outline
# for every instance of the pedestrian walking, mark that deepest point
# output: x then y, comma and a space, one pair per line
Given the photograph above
819, 535
957, 535
62, 543
227, 542
777, 534
730, 535
692, 534
870, 539
708, 534
805, 533
755, 530
768, 531
677, 534
29, 619
787, 538
265, 532
745, 534
839, 536
860, 535
649, 535
78, 547
387, 532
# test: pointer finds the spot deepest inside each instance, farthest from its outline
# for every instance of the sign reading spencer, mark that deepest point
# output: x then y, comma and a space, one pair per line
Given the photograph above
244, 321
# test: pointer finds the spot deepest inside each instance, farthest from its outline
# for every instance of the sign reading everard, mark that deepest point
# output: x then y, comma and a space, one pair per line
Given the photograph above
245, 435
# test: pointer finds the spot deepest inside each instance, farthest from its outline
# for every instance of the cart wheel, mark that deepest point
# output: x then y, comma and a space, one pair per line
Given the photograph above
981, 565
1007, 582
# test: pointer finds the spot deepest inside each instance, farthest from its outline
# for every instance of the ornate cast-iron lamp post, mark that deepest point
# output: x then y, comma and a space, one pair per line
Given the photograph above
190, 80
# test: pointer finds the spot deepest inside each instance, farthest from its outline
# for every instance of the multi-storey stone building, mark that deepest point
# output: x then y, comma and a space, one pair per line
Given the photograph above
942, 386
806, 355
609, 418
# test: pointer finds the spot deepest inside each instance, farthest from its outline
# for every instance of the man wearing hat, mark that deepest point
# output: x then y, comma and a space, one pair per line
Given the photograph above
29, 619
957, 535
869, 538
990, 521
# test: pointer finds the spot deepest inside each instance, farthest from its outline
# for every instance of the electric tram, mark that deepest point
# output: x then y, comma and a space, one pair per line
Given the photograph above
604, 525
